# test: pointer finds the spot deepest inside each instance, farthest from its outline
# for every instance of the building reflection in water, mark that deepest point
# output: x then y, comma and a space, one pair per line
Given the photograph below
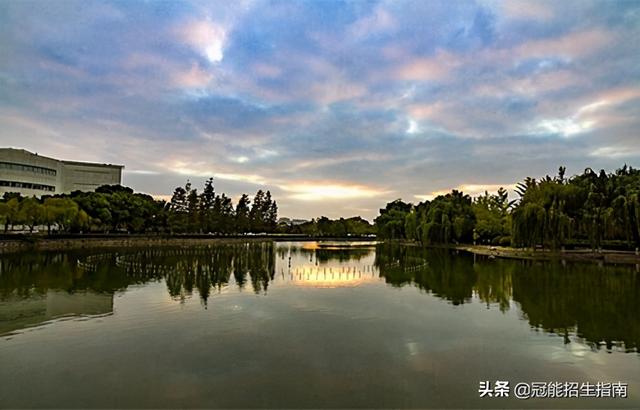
19, 313
597, 304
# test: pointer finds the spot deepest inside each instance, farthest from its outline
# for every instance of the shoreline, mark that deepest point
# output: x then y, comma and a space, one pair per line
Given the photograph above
20, 243
574, 255
580, 255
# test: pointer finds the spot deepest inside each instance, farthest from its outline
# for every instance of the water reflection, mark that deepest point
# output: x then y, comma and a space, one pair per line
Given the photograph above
202, 269
599, 305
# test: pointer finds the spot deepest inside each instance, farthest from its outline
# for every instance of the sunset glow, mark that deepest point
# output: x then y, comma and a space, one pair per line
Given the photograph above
335, 107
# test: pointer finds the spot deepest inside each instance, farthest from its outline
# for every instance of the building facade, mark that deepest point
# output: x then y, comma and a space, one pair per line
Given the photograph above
31, 174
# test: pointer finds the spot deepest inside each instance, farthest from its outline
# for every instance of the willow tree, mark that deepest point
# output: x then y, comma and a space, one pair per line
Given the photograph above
31, 212
449, 219
493, 220
541, 216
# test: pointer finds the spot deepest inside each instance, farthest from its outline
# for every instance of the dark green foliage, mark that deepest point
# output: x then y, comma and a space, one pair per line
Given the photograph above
178, 209
493, 221
592, 206
207, 201
256, 217
193, 202
447, 219
114, 208
263, 216
270, 213
335, 228
391, 222
551, 212
243, 222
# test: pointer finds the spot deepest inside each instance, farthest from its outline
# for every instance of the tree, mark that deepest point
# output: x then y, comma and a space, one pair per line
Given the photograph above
243, 222
227, 217
256, 216
12, 212
98, 207
357, 226
112, 189
411, 226
60, 211
31, 212
269, 213
4, 215
119, 208
449, 218
207, 199
391, 222
178, 209
192, 209
493, 223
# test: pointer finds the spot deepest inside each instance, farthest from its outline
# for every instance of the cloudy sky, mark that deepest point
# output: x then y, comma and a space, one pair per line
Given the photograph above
335, 106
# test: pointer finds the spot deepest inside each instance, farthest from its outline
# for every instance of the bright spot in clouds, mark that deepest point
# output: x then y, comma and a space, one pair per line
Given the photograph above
203, 171
253, 179
207, 37
565, 127
615, 152
472, 190
413, 127
312, 191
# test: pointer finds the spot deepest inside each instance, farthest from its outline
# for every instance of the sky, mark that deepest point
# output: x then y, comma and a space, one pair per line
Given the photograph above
336, 107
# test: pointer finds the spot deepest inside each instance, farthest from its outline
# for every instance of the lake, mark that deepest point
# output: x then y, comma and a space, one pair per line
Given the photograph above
310, 324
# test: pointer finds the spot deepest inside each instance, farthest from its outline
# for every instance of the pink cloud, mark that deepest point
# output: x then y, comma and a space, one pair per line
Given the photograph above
335, 90
325, 84
433, 68
427, 111
267, 70
525, 10
573, 45
195, 77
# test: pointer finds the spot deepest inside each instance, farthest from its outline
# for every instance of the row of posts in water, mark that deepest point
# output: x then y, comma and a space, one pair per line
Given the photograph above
342, 273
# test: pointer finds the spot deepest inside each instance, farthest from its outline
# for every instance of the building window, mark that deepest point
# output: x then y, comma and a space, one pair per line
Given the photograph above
27, 185
27, 168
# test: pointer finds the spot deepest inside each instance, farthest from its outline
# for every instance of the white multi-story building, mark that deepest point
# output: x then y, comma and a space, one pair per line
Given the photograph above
32, 174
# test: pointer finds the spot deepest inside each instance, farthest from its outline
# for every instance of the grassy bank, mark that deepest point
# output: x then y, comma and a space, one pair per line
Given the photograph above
605, 256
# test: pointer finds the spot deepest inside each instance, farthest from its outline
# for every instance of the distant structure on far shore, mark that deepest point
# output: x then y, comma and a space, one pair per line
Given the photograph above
292, 222
31, 174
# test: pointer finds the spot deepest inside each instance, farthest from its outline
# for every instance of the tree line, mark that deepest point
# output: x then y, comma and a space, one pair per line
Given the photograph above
337, 228
594, 209
115, 208
188, 211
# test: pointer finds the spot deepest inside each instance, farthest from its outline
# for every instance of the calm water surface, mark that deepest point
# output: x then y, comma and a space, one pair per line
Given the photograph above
308, 325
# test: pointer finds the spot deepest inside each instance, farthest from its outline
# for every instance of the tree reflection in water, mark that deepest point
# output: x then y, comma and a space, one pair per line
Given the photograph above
599, 304
206, 268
